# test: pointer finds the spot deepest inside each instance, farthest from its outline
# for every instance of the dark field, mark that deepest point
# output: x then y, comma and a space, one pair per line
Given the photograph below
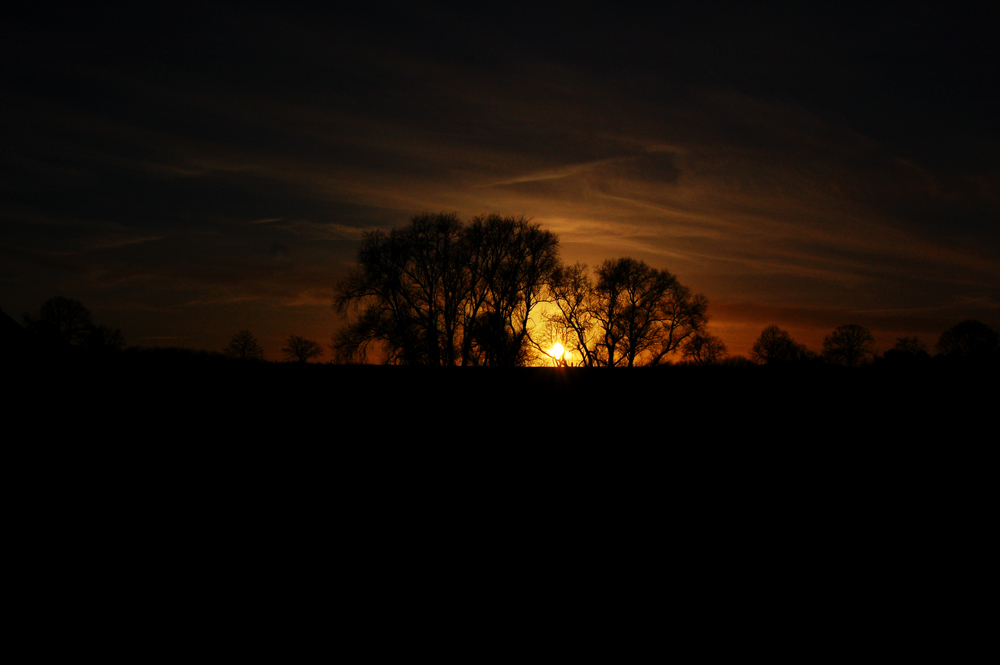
224, 498
203, 402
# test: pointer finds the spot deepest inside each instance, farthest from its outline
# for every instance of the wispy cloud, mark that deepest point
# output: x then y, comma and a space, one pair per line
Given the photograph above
231, 181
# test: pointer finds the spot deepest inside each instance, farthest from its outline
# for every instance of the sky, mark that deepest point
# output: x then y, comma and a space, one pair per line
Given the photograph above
189, 172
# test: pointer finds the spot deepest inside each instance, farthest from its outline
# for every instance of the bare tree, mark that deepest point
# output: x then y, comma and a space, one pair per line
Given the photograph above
775, 347
910, 346
438, 292
407, 293
703, 348
300, 349
396, 292
849, 345
736, 361
970, 341
572, 323
633, 315
105, 339
61, 319
907, 350
244, 346
511, 262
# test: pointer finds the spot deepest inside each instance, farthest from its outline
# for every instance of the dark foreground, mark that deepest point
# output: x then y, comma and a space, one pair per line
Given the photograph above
153, 395
270, 509
185, 413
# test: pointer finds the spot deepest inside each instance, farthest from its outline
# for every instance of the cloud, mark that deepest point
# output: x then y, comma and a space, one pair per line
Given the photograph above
251, 178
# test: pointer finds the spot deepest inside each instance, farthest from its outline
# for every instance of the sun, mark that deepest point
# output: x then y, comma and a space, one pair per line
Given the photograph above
558, 353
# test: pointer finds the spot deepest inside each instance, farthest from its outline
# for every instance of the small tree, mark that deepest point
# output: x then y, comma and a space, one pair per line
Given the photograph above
848, 345
300, 349
970, 341
244, 346
65, 321
703, 348
911, 346
104, 339
775, 347
907, 350
61, 319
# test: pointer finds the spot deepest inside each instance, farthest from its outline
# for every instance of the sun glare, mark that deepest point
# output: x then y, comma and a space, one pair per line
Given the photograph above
558, 353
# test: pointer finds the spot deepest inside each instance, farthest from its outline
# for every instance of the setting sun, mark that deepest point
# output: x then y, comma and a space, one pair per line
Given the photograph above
558, 353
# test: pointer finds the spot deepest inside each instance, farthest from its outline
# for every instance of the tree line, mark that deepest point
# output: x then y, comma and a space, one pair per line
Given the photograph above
970, 342
63, 322
494, 292
65, 325
244, 346
441, 292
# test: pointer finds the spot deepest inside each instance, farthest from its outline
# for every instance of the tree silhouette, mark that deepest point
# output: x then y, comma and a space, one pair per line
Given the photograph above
573, 324
775, 347
61, 320
848, 345
703, 348
244, 346
104, 339
438, 292
407, 289
969, 342
300, 349
634, 314
907, 350
66, 322
910, 346
511, 263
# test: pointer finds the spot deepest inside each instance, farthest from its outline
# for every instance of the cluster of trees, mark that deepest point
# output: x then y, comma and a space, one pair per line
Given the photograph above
442, 292
65, 323
494, 292
849, 345
630, 315
244, 346
972, 341
969, 342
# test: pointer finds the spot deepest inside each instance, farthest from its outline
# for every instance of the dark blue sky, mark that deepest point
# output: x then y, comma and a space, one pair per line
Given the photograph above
189, 172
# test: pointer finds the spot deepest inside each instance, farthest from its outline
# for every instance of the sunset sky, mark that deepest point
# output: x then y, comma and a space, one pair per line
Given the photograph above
187, 173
